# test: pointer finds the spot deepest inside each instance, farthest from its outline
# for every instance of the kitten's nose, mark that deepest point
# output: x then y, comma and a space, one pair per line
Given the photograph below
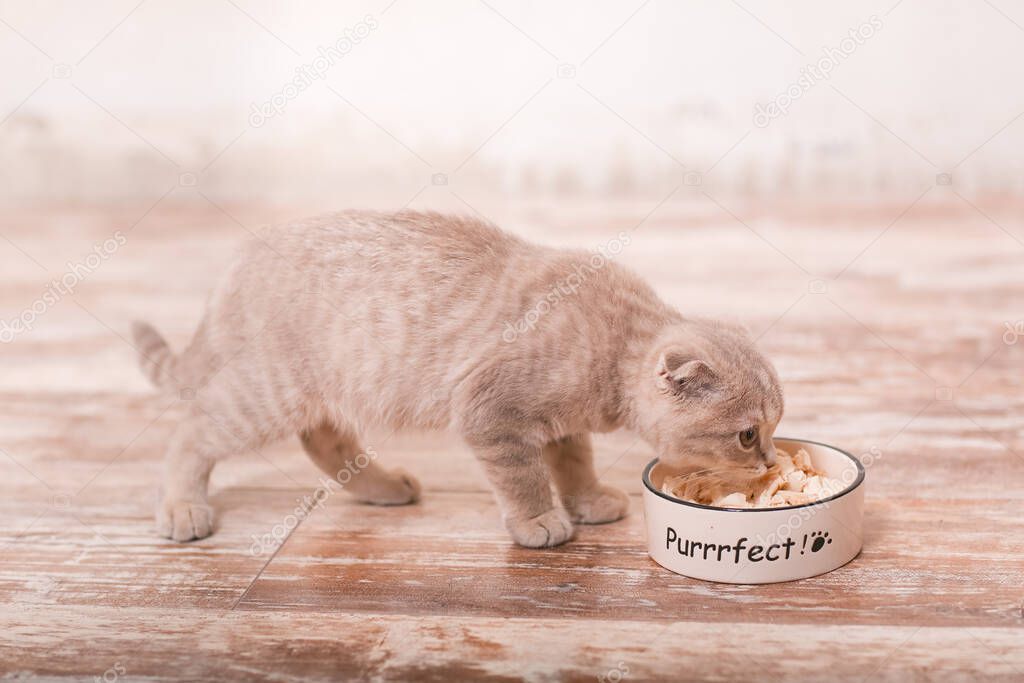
769, 456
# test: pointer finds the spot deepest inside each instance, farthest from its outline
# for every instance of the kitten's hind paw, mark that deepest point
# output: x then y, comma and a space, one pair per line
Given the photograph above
387, 487
184, 521
597, 505
551, 528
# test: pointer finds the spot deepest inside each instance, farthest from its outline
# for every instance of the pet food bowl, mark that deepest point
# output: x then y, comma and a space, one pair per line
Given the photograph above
759, 545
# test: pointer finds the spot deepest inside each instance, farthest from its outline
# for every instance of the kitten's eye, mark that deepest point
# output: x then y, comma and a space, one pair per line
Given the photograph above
748, 437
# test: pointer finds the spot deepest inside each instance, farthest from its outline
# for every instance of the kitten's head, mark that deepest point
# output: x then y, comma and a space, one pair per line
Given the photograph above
711, 400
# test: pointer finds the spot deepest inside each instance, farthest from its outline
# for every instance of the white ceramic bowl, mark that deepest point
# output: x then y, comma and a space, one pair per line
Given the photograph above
759, 545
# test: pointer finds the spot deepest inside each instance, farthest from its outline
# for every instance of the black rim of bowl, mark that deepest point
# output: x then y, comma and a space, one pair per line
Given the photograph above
852, 487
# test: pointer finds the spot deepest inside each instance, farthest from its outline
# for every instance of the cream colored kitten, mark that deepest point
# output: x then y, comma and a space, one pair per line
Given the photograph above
349, 320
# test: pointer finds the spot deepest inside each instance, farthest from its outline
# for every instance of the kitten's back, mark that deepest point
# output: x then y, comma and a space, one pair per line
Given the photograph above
381, 316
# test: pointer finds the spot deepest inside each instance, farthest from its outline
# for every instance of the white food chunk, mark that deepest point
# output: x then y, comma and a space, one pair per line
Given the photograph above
797, 497
795, 480
813, 485
733, 500
830, 487
802, 460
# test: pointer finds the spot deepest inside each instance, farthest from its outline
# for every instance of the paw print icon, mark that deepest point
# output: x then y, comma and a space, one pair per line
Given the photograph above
818, 540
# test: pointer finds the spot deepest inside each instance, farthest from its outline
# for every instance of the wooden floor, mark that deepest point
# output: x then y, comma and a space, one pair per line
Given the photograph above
907, 356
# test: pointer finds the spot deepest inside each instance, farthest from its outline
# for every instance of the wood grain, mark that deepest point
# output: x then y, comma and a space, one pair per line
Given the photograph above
290, 646
902, 357
350, 558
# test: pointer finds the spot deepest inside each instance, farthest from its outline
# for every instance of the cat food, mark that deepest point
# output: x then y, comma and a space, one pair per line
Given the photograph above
792, 480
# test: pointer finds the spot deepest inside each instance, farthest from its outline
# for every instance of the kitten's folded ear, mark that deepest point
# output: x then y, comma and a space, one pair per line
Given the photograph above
685, 375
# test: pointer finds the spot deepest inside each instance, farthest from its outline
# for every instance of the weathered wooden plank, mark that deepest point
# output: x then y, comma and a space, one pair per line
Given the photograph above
107, 553
159, 644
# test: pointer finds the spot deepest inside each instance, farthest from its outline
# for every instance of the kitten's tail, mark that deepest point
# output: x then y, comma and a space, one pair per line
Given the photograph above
155, 357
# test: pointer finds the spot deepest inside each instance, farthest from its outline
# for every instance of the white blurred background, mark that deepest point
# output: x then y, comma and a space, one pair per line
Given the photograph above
124, 101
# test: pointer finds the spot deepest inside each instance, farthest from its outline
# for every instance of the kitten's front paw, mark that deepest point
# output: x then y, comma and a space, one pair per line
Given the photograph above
551, 528
598, 505
184, 521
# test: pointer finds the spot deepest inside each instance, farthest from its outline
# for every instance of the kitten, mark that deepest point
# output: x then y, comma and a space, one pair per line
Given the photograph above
336, 323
